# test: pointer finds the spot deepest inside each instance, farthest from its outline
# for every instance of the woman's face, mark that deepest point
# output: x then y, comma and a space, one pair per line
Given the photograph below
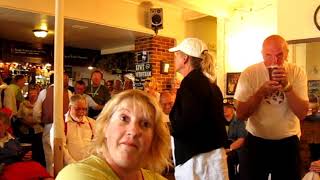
128, 136
33, 94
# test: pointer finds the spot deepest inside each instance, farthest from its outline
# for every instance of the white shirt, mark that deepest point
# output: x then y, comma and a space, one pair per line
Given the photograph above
273, 119
90, 102
77, 139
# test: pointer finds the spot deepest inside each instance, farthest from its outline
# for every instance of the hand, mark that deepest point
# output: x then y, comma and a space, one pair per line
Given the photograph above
269, 87
280, 75
228, 150
27, 156
28, 104
315, 166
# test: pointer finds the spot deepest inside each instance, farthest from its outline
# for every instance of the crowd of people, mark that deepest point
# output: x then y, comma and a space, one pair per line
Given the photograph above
113, 131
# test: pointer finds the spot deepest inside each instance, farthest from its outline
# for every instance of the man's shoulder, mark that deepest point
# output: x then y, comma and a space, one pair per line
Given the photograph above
254, 67
11, 87
104, 88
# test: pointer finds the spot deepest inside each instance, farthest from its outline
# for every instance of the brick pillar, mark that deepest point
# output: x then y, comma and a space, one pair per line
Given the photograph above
158, 47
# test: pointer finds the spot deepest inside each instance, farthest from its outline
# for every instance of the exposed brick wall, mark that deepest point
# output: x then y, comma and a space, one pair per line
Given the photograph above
158, 47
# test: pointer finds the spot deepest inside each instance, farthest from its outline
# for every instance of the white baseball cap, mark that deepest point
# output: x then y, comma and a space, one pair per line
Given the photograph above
191, 46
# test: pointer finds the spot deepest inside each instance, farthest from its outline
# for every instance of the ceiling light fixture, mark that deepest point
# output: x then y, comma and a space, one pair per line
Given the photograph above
40, 33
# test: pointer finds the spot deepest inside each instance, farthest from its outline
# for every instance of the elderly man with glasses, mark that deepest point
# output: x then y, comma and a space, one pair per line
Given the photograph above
79, 130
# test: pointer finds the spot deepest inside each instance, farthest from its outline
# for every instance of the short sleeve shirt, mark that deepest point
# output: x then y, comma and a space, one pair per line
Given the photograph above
273, 119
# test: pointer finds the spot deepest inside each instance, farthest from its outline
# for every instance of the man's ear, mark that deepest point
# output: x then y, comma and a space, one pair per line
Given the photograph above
185, 59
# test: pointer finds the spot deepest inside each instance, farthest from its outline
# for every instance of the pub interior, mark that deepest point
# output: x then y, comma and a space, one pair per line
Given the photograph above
120, 39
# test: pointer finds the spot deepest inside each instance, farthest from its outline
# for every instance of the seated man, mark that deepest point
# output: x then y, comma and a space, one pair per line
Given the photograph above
166, 102
236, 137
12, 154
79, 130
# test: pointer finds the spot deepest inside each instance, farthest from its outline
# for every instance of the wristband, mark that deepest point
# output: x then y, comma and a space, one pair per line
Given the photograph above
287, 88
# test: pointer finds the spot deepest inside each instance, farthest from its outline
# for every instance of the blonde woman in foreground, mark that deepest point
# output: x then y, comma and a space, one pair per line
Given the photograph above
131, 142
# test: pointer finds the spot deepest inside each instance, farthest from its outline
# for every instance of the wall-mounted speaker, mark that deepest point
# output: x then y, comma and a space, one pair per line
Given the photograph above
156, 18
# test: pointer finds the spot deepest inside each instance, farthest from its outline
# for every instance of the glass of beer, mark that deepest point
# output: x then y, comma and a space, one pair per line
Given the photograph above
271, 68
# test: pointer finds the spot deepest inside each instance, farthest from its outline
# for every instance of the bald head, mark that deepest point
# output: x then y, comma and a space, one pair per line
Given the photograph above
275, 39
274, 50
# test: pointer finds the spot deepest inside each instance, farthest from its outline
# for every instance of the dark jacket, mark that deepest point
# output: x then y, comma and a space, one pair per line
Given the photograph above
11, 152
197, 117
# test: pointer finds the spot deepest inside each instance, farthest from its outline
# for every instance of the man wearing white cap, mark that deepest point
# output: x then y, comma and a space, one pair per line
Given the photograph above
197, 117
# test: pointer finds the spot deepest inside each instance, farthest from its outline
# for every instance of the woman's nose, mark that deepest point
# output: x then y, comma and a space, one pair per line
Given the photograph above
134, 129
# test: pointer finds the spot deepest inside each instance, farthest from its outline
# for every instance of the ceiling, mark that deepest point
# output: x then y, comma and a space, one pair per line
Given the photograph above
18, 25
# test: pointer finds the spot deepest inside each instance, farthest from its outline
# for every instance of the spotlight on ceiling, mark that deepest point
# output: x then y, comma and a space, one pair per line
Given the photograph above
40, 33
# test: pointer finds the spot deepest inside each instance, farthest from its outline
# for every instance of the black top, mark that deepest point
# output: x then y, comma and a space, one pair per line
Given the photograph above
100, 95
11, 152
197, 117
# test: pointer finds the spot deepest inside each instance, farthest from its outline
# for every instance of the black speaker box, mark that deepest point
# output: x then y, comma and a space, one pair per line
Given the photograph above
156, 18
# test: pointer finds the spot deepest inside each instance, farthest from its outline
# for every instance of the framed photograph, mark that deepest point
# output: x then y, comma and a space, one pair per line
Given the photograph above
86, 81
313, 88
232, 80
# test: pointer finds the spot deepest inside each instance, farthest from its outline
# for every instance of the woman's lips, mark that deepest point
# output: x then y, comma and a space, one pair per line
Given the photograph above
131, 144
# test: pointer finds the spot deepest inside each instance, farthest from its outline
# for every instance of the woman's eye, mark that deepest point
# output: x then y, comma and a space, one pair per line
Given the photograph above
124, 118
146, 124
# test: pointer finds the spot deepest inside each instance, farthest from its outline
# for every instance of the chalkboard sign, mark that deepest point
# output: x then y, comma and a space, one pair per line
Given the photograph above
143, 69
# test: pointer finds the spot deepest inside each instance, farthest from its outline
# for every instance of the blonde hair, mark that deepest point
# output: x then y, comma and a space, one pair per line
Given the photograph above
159, 156
208, 65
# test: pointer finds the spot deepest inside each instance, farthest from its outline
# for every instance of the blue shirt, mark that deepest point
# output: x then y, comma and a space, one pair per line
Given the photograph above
237, 129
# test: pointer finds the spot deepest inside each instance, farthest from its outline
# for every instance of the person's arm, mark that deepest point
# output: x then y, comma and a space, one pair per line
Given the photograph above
241, 134
236, 144
298, 106
92, 104
247, 108
37, 108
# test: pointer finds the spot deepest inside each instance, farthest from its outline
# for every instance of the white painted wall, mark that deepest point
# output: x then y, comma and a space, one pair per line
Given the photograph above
245, 33
295, 19
205, 29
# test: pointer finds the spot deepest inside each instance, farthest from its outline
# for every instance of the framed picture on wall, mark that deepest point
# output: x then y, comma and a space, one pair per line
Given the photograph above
232, 80
313, 88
